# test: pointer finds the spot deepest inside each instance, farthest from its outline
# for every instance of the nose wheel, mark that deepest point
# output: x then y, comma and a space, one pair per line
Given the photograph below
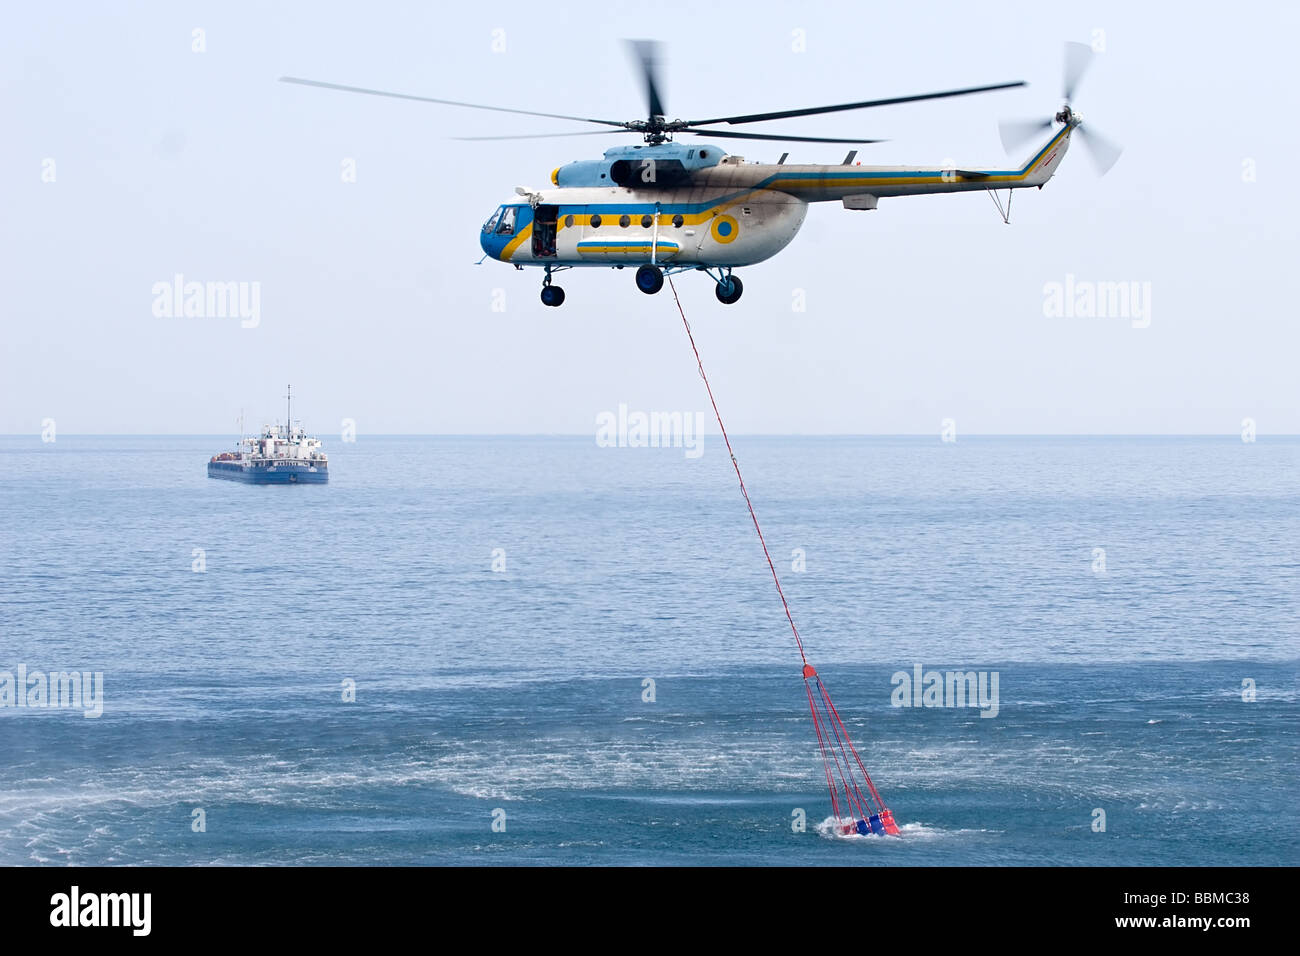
729, 290
552, 295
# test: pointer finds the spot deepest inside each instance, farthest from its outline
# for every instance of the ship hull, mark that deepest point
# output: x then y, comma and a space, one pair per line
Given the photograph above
282, 474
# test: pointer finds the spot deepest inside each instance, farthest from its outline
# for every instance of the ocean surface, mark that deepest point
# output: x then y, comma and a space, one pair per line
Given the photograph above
1151, 684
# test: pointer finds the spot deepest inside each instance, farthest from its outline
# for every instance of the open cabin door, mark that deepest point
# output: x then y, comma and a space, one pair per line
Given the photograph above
545, 226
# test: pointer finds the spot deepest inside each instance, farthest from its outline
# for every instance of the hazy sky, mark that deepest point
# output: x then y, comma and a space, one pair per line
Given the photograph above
168, 161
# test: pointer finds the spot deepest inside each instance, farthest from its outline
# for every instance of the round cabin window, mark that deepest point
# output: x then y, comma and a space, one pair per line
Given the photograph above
568, 222
646, 221
595, 221
625, 220
677, 221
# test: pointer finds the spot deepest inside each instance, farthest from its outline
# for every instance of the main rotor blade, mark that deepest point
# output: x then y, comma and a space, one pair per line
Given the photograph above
865, 104
1015, 133
1102, 151
585, 132
648, 53
1077, 58
776, 138
430, 99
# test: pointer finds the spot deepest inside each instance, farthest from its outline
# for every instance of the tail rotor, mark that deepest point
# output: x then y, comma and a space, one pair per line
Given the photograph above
1103, 152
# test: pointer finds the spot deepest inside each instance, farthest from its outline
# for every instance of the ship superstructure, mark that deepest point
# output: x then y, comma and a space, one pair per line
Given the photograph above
281, 454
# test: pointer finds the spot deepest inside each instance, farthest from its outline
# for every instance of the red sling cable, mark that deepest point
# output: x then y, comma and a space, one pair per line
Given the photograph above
854, 801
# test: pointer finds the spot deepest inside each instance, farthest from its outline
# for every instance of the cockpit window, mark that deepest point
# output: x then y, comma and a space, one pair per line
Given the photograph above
506, 227
492, 221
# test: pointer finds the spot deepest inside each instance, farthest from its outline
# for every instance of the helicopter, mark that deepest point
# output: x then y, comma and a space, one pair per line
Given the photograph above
667, 207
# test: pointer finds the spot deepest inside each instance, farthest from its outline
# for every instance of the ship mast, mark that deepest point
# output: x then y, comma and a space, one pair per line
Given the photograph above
288, 412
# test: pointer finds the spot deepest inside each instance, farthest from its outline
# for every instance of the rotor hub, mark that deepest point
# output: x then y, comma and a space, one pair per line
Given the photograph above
655, 130
1068, 117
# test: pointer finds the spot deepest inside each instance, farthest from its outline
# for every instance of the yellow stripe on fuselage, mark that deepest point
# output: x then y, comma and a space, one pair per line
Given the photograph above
585, 220
513, 244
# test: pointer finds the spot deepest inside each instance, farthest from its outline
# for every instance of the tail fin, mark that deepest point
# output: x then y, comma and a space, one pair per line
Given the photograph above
1041, 166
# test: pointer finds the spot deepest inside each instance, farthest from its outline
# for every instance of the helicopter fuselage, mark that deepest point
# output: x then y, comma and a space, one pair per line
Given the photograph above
697, 207
678, 226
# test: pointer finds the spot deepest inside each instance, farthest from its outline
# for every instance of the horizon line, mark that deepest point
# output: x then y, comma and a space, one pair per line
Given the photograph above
588, 435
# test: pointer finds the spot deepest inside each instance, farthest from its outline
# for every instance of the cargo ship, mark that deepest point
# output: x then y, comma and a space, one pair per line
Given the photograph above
281, 455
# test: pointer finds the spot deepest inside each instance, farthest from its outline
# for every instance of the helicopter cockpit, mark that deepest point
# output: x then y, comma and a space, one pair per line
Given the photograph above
501, 222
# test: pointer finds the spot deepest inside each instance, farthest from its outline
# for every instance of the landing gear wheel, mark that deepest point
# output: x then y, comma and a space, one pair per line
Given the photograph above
552, 295
729, 290
649, 279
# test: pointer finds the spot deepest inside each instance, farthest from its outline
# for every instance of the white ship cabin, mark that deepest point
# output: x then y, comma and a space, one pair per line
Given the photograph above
284, 441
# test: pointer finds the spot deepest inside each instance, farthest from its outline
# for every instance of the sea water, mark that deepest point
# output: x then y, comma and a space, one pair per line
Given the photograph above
518, 650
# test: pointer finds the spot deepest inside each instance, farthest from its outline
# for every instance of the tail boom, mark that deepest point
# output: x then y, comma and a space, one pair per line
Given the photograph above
814, 183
